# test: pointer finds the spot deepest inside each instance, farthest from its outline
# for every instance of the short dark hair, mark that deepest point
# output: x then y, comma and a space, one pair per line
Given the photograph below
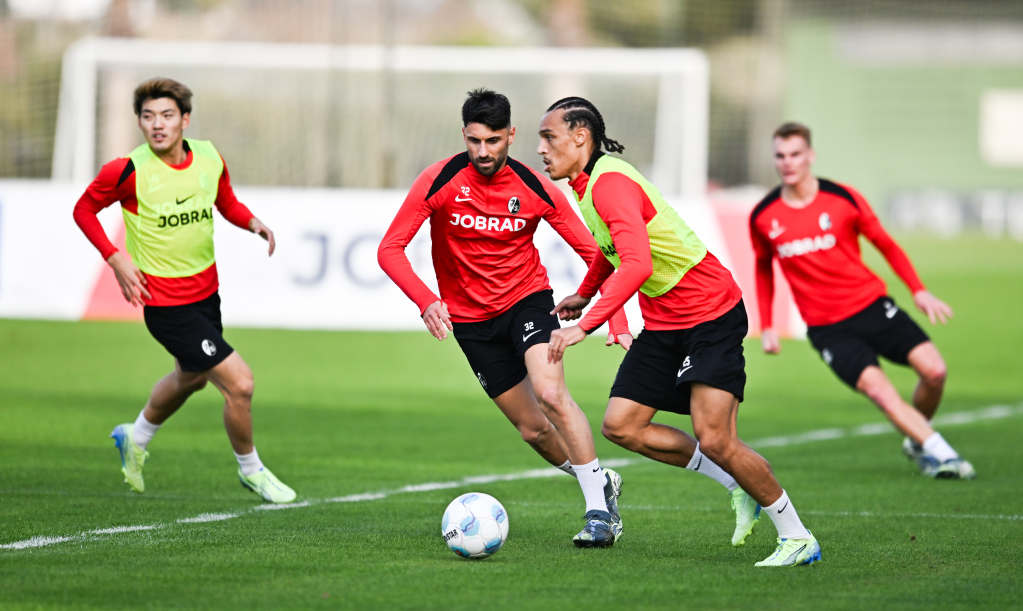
487, 107
157, 88
580, 111
787, 130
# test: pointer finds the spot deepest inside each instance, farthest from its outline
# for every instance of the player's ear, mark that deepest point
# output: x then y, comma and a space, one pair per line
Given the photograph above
579, 137
811, 156
185, 119
511, 134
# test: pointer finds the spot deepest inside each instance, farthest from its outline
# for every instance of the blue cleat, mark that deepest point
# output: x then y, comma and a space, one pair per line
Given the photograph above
598, 531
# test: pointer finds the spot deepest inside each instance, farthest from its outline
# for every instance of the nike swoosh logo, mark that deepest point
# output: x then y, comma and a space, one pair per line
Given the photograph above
459, 199
181, 201
783, 508
681, 371
699, 463
153, 189
597, 469
525, 337
775, 233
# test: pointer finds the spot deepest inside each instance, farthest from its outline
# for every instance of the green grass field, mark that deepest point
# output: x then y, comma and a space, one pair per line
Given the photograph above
341, 414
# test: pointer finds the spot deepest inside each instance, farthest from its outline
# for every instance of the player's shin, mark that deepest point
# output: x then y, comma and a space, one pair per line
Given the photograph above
144, 430
592, 480
785, 518
700, 463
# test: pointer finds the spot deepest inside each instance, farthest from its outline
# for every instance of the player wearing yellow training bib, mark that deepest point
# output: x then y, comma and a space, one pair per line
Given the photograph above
168, 188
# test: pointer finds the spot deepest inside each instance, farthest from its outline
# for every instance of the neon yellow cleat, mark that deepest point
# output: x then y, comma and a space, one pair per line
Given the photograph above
747, 514
793, 552
265, 484
132, 456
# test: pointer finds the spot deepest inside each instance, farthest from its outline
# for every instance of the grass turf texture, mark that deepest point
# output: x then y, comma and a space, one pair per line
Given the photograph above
347, 413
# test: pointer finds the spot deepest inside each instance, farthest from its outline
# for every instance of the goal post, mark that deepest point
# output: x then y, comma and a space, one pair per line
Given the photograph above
664, 93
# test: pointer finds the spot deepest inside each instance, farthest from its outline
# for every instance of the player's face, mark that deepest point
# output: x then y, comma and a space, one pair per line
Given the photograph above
793, 158
162, 124
488, 149
560, 148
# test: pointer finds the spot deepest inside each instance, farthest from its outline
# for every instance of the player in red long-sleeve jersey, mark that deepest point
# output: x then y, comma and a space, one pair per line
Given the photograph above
484, 208
812, 227
688, 359
167, 188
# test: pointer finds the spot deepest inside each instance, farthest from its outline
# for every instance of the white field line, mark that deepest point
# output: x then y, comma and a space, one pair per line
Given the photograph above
952, 419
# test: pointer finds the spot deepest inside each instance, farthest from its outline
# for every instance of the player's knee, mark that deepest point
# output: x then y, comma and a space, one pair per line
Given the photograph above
554, 398
934, 375
196, 384
536, 435
716, 446
191, 383
243, 386
619, 432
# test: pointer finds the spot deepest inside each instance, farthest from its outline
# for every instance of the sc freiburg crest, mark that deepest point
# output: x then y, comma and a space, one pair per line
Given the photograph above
513, 205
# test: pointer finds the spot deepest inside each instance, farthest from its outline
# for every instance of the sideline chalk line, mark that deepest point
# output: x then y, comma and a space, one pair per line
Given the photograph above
994, 412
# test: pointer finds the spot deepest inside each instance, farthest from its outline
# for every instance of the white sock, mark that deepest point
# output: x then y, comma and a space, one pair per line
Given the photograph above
144, 431
936, 446
249, 463
786, 520
591, 480
705, 466
567, 468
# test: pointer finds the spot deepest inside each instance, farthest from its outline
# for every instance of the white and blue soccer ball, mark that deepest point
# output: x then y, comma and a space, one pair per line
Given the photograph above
475, 525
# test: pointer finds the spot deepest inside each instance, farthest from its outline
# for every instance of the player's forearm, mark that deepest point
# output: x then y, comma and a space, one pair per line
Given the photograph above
396, 265
230, 208
765, 292
597, 274
86, 219
615, 293
899, 262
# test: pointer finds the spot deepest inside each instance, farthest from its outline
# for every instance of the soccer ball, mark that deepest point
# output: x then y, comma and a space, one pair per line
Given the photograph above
475, 525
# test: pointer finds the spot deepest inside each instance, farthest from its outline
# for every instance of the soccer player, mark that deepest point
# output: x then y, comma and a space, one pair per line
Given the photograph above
812, 227
167, 188
688, 359
484, 208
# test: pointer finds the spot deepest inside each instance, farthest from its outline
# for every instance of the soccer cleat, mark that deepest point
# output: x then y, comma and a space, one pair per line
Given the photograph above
955, 468
613, 490
265, 484
912, 450
747, 514
598, 531
132, 456
793, 552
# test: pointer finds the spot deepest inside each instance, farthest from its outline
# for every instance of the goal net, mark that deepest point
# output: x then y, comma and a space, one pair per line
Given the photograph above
375, 116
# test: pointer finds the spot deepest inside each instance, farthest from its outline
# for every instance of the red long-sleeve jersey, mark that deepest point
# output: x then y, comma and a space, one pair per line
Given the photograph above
116, 183
818, 250
704, 293
482, 232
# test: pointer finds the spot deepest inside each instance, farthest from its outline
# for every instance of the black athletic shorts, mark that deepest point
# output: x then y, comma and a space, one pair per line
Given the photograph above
659, 368
495, 347
192, 333
849, 346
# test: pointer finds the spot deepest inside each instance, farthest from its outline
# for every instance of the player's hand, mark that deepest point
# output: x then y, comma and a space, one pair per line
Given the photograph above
571, 307
257, 227
934, 308
437, 319
561, 339
623, 339
770, 342
131, 280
